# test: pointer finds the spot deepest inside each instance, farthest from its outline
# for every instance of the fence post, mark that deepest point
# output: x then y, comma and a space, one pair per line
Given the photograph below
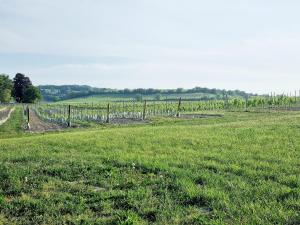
179, 108
108, 109
69, 116
144, 110
26, 111
28, 117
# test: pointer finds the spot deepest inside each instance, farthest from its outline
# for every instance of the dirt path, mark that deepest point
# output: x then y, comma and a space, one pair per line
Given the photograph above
37, 125
5, 114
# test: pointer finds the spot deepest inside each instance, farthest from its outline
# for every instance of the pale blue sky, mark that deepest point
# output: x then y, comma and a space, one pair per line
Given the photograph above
252, 45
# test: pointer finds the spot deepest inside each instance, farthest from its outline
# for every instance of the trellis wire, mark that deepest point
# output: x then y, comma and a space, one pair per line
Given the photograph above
100, 113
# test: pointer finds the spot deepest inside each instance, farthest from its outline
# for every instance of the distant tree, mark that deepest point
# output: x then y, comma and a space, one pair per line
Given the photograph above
32, 94
150, 91
20, 84
5, 88
139, 91
53, 92
127, 91
179, 90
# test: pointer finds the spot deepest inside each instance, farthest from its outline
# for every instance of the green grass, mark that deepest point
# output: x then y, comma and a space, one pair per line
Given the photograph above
12, 127
240, 169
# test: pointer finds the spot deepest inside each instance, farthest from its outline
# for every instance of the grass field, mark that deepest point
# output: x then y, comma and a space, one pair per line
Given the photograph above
242, 168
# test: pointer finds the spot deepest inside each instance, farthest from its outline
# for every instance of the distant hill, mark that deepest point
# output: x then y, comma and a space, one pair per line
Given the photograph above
54, 93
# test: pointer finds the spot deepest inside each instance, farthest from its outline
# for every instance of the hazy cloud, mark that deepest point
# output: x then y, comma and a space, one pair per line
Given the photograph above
250, 45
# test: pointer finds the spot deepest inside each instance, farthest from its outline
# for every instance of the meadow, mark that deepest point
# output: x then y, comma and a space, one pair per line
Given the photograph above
241, 168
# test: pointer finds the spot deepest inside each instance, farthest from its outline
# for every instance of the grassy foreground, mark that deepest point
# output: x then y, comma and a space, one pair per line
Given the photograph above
240, 169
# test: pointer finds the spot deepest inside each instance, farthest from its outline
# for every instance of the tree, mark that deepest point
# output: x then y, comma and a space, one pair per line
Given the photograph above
179, 90
21, 83
32, 94
5, 88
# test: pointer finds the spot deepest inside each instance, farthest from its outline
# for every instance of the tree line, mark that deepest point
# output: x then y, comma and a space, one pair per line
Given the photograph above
63, 92
20, 89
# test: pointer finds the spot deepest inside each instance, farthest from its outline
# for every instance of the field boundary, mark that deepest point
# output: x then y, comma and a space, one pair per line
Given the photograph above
8, 115
73, 115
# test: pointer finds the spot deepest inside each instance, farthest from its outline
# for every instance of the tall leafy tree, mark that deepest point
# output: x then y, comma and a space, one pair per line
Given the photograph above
32, 94
20, 84
5, 88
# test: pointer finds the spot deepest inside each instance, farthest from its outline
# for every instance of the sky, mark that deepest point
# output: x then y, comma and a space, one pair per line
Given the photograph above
250, 45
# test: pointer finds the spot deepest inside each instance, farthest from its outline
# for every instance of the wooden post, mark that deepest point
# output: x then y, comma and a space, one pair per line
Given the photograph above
144, 110
28, 115
179, 108
108, 109
69, 116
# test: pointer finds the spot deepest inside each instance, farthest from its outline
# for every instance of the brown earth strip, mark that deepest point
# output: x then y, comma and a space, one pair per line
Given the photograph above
38, 125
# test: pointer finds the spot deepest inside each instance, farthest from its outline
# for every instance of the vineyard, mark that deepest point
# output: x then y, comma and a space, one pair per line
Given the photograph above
114, 112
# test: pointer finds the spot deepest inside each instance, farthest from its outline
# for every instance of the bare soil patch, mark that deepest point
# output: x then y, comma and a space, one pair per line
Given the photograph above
38, 125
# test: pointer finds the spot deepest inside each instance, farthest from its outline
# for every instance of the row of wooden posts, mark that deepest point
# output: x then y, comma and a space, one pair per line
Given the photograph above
69, 111
69, 119
108, 112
